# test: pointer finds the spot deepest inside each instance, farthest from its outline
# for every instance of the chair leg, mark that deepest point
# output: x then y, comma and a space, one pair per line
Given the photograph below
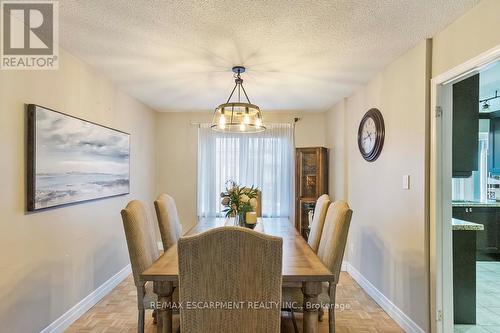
141, 291
294, 322
140, 321
331, 310
321, 314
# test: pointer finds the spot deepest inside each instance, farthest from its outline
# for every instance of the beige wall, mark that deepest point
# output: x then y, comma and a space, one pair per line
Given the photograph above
51, 260
475, 32
387, 241
177, 151
336, 138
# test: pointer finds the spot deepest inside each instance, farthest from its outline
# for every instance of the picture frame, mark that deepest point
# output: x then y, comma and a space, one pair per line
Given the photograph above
72, 160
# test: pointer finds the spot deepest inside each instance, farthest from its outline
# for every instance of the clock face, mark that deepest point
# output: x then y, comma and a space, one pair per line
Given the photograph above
368, 135
371, 134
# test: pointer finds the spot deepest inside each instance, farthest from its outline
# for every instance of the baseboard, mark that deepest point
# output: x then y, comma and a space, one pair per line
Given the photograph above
390, 308
343, 268
70, 316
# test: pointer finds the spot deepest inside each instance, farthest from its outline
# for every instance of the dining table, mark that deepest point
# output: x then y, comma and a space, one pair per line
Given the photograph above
302, 268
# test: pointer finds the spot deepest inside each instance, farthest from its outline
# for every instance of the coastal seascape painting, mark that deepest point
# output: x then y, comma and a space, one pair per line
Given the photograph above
71, 160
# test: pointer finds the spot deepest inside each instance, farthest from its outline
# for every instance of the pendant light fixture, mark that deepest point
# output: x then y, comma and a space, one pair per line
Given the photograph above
238, 117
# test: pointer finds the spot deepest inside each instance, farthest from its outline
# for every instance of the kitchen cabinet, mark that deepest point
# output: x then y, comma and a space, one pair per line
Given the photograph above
494, 147
464, 276
465, 126
488, 241
465, 235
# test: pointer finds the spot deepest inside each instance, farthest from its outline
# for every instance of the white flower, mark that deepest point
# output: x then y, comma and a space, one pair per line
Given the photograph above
253, 203
244, 198
225, 201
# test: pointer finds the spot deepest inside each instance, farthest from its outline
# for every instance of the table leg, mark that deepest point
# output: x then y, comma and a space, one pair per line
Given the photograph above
164, 290
311, 290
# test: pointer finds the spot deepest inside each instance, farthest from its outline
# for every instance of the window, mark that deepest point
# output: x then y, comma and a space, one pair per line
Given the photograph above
263, 159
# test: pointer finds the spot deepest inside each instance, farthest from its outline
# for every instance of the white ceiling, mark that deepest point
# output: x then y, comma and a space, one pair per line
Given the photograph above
301, 55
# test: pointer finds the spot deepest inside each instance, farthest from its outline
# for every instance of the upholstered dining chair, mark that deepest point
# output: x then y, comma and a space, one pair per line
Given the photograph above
318, 220
143, 251
230, 264
258, 210
331, 252
168, 220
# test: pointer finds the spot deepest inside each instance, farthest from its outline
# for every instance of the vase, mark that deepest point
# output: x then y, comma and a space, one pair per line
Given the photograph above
241, 217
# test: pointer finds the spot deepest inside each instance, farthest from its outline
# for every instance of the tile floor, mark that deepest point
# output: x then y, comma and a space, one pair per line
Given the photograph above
487, 299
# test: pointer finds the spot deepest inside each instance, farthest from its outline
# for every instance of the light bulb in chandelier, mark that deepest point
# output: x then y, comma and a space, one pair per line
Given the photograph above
258, 122
222, 122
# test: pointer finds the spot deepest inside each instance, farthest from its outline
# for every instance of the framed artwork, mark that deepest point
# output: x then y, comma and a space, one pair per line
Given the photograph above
72, 160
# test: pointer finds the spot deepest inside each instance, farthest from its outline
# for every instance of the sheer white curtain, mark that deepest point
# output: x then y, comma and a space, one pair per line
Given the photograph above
261, 159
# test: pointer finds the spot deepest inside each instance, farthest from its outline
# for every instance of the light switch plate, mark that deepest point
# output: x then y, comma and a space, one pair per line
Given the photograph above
406, 182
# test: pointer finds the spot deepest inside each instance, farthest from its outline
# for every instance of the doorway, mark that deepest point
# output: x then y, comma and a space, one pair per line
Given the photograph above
464, 257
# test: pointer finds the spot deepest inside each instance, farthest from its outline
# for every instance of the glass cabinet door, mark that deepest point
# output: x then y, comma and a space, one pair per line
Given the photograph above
308, 174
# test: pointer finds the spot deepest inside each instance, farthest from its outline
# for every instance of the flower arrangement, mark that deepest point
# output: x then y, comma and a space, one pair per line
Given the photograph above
238, 200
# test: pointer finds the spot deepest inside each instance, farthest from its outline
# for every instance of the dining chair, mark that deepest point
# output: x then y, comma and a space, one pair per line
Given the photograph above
234, 267
331, 253
318, 221
331, 250
258, 210
143, 252
168, 220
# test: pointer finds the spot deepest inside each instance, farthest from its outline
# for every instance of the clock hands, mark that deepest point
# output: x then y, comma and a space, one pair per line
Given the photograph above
369, 136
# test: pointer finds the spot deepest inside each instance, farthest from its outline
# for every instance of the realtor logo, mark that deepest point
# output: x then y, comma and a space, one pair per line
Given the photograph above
30, 35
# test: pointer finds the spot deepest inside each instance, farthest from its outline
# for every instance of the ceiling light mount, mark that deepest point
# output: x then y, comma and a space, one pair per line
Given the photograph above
238, 117
239, 69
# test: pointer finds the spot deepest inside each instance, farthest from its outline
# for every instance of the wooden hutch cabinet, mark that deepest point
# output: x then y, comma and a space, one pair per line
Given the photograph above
311, 181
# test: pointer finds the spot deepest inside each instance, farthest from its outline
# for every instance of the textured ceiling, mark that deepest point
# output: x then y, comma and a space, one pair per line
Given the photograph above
301, 55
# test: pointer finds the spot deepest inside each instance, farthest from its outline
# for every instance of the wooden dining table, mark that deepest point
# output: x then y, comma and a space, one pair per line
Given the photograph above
301, 268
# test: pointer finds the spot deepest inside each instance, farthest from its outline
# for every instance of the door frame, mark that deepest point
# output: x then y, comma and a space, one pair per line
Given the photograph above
440, 235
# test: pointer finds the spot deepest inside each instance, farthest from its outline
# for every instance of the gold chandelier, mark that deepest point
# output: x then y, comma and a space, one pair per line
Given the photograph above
238, 117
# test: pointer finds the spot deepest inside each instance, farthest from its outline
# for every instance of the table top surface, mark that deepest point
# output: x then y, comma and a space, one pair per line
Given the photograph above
300, 263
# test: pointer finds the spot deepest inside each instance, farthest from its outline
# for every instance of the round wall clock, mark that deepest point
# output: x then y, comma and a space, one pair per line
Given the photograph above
371, 133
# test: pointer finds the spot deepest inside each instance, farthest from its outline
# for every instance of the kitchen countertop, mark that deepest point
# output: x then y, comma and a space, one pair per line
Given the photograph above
465, 225
489, 203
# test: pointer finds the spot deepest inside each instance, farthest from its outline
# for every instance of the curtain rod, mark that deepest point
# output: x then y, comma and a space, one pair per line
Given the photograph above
295, 120
197, 123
